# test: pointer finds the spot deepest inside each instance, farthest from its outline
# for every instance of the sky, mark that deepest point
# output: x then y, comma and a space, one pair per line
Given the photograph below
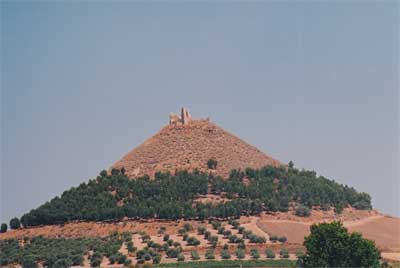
82, 83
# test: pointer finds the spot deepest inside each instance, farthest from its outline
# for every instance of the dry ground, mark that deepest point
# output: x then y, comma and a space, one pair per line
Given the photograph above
384, 230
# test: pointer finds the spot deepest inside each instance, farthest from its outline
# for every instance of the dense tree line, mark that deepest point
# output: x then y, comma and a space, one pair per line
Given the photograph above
172, 196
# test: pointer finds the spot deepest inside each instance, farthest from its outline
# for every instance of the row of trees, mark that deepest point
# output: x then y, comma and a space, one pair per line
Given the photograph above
114, 196
14, 224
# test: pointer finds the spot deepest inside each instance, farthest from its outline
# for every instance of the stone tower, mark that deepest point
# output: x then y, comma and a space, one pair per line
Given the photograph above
185, 118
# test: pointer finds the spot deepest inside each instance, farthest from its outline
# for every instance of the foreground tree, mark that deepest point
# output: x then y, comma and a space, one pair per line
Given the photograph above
330, 245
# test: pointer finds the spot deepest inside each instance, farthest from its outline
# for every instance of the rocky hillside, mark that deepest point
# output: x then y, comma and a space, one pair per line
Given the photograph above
186, 144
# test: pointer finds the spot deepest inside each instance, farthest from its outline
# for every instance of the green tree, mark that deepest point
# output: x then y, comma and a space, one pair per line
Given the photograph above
212, 164
291, 164
14, 223
254, 253
269, 253
302, 211
210, 254
63, 263
29, 261
194, 255
330, 245
181, 257
284, 253
225, 254
3, 228
240, 254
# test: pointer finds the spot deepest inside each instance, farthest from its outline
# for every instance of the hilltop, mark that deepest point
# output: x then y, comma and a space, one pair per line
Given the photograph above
192, 191
188, 144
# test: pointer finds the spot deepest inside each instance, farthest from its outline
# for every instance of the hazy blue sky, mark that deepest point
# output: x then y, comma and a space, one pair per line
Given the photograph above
83, 83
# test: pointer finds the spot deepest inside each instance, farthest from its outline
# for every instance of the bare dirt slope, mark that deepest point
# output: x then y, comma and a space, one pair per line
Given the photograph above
189, 147
384, 230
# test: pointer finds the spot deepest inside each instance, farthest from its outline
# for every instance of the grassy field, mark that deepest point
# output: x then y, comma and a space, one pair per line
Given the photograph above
231, 263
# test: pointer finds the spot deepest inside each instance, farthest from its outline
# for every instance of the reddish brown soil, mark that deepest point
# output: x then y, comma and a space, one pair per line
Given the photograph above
189, 147
384, 231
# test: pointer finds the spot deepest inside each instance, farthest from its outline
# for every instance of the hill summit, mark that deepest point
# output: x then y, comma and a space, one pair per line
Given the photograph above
188, 144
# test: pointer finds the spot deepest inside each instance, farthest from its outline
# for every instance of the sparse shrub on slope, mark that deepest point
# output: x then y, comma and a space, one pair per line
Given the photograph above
302, 211
254, 253
270, 254
59, 252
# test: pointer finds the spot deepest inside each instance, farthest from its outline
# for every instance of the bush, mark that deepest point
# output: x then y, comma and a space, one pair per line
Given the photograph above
282, 239
227, 233
242, 245
257, 239
254, 253
215, 224
185, 237
212, 164
95, 262
241, 230
166, 237
273, 238
221, 230
210, 254
339, 208
145, 238
213, 238
77, 260
246, 234
157, 259
172, 253
270, 254
240, 254
192, 241
187, 227
121, 258
363, 205
201, 230
3, 228
130, 247
63, 263
181, 257
233, 239
225, 254
299, 254
147, 256
165, 247
15, 224
29, 261
195, 255
284, 253
302, 211
207, 234
162, 230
